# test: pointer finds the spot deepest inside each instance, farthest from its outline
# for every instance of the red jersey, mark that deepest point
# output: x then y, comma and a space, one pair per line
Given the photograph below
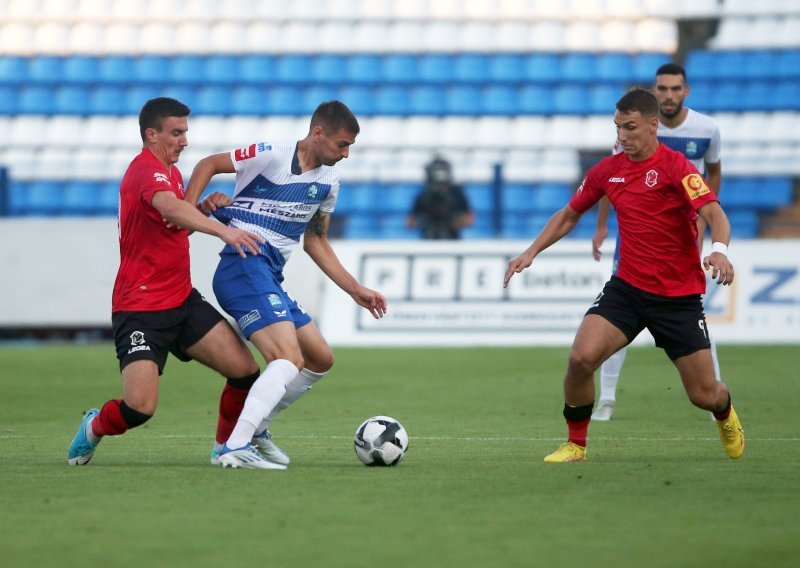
154, 260
656, 202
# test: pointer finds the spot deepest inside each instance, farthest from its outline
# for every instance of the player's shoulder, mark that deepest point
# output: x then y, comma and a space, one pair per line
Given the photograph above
700, 120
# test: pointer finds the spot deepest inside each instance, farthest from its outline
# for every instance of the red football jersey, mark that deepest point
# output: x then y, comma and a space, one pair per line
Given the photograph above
656, 202
154, 260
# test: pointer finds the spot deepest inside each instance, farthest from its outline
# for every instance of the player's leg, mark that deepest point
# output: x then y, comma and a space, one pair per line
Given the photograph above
596, 339
609, 377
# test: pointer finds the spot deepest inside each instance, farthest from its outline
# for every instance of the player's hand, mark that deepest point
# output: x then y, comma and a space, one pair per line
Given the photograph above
722, 268
240, 239
516, 265
371, 300
597, 241
213, 202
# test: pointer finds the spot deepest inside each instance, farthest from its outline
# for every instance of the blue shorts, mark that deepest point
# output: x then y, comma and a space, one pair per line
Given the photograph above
251, 293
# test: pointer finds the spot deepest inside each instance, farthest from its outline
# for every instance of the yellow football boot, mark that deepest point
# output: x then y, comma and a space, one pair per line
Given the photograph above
732, 435
567, 452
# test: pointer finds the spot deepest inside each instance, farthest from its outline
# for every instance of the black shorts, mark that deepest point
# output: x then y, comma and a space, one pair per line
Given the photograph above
153, 335
677, 323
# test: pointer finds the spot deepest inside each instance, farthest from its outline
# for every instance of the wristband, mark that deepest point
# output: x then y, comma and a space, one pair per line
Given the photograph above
719, 247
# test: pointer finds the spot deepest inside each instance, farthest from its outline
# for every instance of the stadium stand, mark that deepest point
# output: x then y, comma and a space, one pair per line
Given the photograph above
523, 84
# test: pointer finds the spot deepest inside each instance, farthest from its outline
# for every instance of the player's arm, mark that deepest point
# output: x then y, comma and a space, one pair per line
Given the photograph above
601, 232
561, 223
206, 169
713, 214
182, 214
318, 247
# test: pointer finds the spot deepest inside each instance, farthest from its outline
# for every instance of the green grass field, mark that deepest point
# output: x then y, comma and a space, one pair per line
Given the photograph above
657, 491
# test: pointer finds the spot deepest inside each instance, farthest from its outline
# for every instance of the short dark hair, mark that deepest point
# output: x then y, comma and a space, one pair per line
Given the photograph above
638, 99
671, 69
333, 116
156, 110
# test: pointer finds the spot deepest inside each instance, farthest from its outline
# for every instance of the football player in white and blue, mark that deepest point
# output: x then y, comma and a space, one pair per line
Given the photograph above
284, 190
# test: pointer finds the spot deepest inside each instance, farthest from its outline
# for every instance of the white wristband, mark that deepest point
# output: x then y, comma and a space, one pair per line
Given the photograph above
719, 247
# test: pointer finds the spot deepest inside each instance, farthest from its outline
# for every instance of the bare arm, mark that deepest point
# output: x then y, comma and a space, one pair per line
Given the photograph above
713, 214
316, 244
206, 169
600, 234
561, 223
714, 179
179, 213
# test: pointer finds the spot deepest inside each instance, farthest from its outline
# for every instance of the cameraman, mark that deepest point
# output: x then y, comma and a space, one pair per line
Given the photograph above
441, 209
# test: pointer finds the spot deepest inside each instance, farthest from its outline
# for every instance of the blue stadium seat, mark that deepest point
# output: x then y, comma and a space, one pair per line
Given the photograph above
135, 97
579, 67
517, 198
585, 228
45, 69
398, 198
393, 100
549, 197
507, 67
471, 68
222, 69
292, 69
518, 226
81, 69
616, 67
107, 198
8, 100
645, 66
188, 69
435, 68
775, 191
213, 100
13, 70
360, 99
328, 69
249, 101
393, 226
72, 99
285, 100
700, 64
361, 197
744, 224
428, 100
153, 69
35, 100
316, 94
543, 68
464, 100
480, 198
572, 99
757, 95
500, 100
536, 99
482, 228
361, 226
603, 97
728, 64
787, 64
80, 198
43, 198
363, 68
108, 100
702, 93
759, 64
399, 68
785, 95
116, 69
17, 197
256, 68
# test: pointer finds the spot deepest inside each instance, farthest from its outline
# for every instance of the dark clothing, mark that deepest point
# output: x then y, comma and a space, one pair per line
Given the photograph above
437, 207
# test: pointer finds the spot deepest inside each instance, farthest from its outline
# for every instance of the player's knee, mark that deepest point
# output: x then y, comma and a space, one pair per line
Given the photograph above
581, 364
320, 363
132, 417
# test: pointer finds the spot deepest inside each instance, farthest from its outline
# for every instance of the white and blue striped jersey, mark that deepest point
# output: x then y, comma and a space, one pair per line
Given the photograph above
697, 138
273, 200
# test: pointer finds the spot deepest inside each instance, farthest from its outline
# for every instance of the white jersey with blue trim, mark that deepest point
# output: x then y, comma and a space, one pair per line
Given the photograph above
697, 138
271, 201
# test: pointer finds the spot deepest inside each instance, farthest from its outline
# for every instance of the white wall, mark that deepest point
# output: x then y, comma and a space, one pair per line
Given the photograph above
60, 272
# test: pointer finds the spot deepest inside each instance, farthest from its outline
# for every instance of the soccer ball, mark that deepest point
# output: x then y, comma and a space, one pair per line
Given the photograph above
381, 440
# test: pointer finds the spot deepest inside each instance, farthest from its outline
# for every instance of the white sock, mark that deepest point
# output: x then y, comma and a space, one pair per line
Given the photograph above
90, 435
715, 358
265, 393
299, 386
609, 375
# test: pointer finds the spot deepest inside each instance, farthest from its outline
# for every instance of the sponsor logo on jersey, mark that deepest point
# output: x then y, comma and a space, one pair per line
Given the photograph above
651, 178
137, 338
312, 191
248, 318
691, 148
263, 147
580, 187
280, 314
158, 176
275, 301
245, 153
616, 180
695, 186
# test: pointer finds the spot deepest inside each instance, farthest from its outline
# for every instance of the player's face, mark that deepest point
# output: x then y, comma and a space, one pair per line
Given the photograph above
169, 142
670, 90
333, 147
636, 134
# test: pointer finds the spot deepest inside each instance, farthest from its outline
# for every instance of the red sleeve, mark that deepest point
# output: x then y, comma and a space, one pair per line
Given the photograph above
589, 192
694, 188
152, 182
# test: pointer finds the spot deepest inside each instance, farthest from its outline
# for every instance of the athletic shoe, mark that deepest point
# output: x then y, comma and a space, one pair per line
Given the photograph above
267, 448
732, 435
246, 457
214, 457
604, 411
81, 449
567, 452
